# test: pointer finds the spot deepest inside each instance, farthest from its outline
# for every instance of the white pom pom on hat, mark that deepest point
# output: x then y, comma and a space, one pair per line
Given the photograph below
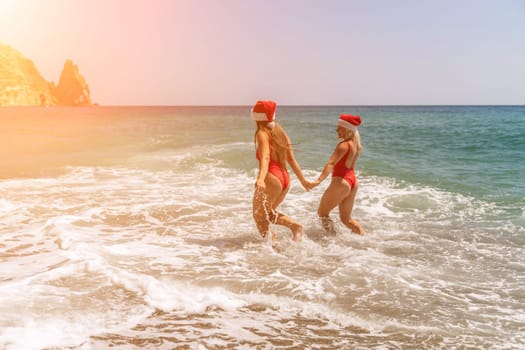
348, 121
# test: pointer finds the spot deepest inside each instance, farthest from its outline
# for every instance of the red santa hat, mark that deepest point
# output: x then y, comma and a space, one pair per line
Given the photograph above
348, 121
264, 111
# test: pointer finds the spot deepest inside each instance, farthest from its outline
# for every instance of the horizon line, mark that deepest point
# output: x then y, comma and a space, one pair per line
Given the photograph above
280, 105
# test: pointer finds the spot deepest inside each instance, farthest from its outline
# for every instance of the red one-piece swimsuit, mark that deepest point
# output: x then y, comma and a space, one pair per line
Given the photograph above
275, 168
341, 170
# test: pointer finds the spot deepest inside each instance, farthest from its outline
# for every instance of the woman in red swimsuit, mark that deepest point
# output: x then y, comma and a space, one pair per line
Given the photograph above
343, 188
274, 152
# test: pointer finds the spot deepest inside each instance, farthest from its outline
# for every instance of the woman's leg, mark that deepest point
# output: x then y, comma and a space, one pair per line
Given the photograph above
275, 196
280, 197
345, 212
263, 208
334, 194
260, 214
294, 226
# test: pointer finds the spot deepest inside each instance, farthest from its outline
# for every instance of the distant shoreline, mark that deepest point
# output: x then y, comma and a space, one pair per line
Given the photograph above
280, 106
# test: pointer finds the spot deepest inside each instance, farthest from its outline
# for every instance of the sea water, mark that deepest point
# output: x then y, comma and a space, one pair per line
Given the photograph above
131, 227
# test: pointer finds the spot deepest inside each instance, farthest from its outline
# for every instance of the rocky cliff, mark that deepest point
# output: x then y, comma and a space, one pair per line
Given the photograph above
21, 84
72, 89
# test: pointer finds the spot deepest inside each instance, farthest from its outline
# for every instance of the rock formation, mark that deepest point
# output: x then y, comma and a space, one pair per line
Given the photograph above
21, 84
72, 89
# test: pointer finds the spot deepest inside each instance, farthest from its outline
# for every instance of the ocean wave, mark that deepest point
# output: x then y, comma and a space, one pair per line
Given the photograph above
127, 247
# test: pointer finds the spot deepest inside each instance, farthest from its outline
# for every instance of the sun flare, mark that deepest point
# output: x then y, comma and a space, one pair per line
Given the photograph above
7, 6
8, 11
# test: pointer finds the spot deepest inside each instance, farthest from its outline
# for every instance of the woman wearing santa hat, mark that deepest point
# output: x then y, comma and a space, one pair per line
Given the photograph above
343, 188
274, 152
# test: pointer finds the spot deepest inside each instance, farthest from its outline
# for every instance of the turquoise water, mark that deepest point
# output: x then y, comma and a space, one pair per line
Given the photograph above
471, 150
131, 227
477, 150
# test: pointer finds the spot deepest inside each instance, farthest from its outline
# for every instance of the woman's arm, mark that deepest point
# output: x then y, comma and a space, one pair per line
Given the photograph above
339, 152
295, 165
263, 150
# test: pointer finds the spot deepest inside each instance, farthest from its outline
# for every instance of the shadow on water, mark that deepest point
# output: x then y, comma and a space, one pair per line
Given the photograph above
282, 241
226, 243
317, 235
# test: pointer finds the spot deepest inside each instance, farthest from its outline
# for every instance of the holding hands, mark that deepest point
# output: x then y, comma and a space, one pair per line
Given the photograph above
307, 185
310, 185
315, 183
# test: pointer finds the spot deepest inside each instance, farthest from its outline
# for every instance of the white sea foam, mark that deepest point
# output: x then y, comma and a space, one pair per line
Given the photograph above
152, 242
182, 242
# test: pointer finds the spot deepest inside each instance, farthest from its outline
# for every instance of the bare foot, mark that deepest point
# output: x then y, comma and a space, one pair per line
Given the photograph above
297, 233
328, 225
356, 227
264, 234
277, 248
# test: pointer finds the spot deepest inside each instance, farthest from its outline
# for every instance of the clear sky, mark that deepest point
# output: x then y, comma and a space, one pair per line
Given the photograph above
319, 52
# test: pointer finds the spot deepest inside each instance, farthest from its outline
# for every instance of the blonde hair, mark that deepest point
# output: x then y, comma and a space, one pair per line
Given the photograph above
355, 138
278, 141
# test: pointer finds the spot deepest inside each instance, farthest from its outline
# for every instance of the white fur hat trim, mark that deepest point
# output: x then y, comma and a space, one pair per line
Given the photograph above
261, 117
346, 125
